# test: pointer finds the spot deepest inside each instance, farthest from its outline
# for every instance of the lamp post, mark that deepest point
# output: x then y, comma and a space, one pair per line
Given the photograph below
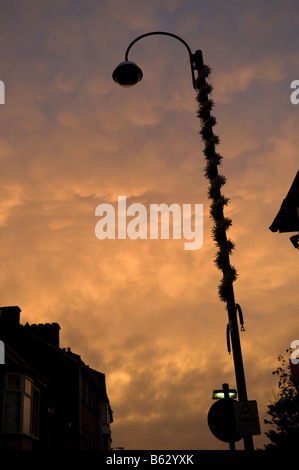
128, 74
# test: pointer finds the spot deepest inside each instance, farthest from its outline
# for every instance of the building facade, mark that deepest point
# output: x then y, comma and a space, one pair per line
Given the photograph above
49, 398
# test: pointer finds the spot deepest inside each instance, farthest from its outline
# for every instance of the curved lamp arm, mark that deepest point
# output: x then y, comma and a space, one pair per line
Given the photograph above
192, 57
155, 33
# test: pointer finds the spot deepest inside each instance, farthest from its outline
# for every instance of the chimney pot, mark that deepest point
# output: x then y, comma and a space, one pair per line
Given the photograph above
47, 331
9, 317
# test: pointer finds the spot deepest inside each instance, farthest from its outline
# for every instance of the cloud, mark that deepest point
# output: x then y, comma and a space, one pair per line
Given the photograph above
258, 73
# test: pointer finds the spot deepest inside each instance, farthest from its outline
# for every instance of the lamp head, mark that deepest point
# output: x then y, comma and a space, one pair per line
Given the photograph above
219, 394
127, 74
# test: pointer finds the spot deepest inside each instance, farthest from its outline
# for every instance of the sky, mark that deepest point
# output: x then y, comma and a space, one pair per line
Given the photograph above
146, 312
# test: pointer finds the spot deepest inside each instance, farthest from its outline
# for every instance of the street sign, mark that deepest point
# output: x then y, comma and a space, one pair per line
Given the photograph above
221, 420
246, 418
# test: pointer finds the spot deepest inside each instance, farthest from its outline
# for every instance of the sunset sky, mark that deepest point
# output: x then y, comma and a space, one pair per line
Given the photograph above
146, 312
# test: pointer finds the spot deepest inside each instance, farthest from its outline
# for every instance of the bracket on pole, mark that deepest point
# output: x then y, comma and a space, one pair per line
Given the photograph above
228, 328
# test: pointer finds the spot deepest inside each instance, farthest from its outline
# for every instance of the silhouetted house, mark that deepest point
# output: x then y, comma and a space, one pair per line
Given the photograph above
287, 218
49, 399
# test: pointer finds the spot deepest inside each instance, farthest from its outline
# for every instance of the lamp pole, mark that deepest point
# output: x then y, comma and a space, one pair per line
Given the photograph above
127, 74
221, 224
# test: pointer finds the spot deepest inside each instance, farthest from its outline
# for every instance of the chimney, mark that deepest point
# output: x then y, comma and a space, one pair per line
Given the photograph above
48, 332
9, 317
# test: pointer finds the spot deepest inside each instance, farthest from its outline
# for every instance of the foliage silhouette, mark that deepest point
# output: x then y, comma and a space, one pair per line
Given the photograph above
284, 412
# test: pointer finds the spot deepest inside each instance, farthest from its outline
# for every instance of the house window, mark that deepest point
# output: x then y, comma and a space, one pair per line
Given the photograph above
35, 412
21, 409
12, 409
27, 406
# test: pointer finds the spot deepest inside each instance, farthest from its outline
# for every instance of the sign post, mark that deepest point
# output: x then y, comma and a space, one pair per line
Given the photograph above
221, 416
231, 420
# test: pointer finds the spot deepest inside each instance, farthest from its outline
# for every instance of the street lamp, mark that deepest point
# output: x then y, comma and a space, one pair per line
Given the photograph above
128, 74
223, 393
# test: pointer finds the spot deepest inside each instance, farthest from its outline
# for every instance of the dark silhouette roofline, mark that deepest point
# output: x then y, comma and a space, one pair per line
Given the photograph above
287, 218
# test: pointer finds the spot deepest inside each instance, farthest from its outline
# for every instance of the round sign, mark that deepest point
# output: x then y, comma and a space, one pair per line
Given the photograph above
221, 420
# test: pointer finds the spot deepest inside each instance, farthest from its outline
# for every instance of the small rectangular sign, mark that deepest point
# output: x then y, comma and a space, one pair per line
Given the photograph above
247, 419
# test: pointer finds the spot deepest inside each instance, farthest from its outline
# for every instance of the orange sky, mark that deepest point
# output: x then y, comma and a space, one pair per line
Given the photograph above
146, 312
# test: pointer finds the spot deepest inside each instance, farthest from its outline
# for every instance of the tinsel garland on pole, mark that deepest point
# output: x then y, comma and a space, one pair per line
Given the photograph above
221, 223
213, 160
